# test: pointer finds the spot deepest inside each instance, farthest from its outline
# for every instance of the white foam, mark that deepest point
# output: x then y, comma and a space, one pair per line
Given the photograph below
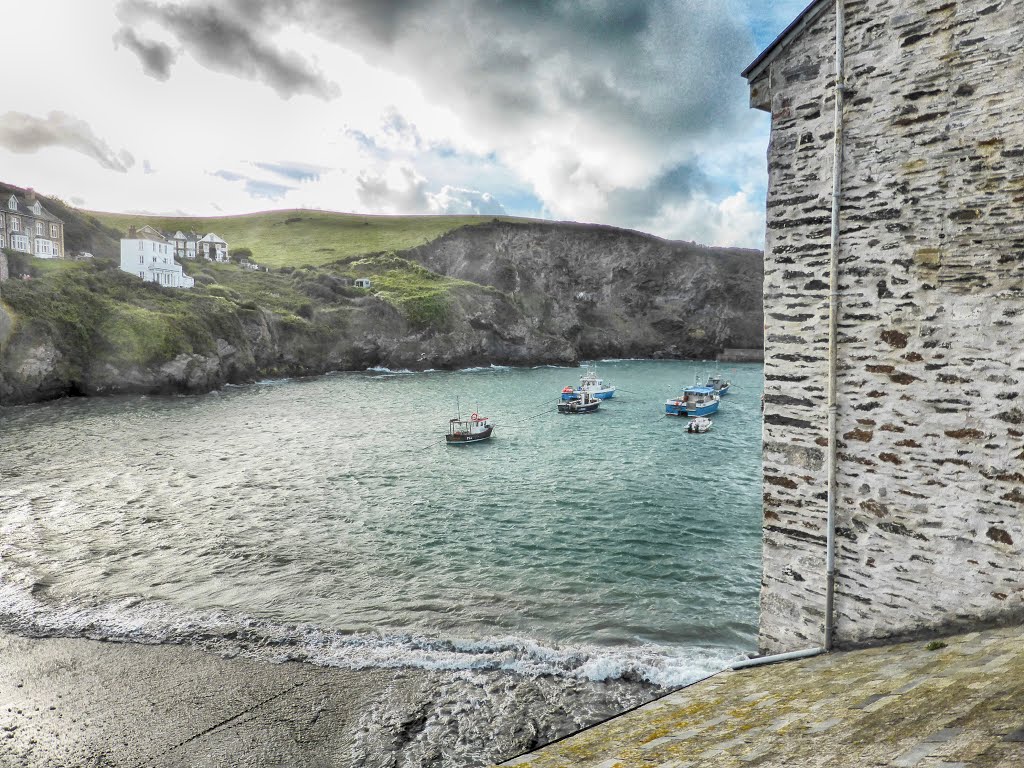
133, 620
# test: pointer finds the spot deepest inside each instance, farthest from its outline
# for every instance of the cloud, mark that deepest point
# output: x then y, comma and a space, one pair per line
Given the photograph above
156, 58
229, 42
25, 134
455, 200
293, 170
399, 189
257, 188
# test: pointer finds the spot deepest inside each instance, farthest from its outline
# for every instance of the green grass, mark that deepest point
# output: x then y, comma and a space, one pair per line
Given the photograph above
300, 237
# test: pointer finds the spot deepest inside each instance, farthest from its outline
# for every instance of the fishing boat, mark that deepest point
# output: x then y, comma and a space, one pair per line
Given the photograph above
717, 383
584, 402
694, 401
475, 429
590, 382
699, 425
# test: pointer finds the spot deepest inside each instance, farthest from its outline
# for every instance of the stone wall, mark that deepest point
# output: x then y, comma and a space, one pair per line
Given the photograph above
5, 272
931, 323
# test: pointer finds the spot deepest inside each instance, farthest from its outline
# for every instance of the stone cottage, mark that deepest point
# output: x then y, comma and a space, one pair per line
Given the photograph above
28, 227
896, 170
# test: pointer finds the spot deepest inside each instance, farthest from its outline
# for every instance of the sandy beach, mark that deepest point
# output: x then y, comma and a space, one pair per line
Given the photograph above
76, 702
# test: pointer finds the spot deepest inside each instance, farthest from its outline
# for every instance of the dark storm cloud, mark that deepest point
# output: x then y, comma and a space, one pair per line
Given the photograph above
23, 133
156, 58
232, 43
676, 185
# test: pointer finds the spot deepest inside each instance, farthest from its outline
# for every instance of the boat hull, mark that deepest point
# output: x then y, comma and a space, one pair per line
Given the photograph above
703, 410
600, 394
573, 407
463, 438
675, 407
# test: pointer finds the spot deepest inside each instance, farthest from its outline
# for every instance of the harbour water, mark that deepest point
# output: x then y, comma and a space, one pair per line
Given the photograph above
324, 520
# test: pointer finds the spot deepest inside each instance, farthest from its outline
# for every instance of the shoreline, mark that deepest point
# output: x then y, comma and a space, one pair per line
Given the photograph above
71, 701
318, 374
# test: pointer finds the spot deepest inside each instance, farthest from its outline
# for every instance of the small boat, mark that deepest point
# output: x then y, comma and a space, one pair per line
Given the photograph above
699, 424
694, 401
717, 383
592, 383
581, 403
472, 430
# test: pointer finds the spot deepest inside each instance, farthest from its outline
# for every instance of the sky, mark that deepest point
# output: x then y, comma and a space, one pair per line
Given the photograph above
623, 112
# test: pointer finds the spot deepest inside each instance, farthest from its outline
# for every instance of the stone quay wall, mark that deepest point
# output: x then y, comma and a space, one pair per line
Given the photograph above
930, 505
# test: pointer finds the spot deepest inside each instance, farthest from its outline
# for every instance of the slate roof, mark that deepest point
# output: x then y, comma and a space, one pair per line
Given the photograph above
805, 17
24, 210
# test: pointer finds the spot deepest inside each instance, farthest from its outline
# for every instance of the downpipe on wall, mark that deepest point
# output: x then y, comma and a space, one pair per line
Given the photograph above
833, 329
833, 358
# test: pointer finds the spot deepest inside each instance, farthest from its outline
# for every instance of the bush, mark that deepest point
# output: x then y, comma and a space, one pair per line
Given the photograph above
19, 263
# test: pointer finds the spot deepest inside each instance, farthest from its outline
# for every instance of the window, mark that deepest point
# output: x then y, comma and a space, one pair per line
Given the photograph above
142, 259
142, 275
53, 231
20, 243
2, 243
39, 229
1, 221
141, 245
12, 203
15, 224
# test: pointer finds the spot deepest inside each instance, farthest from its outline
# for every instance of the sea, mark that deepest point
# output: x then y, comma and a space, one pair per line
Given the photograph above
324, 520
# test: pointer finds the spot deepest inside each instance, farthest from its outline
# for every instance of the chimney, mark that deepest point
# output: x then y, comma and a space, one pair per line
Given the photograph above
132, 232
30, 195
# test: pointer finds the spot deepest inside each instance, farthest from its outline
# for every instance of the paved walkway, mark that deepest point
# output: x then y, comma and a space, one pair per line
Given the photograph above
961, 706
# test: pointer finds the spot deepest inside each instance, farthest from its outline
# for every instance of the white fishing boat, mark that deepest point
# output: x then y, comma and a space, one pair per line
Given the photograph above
592, 384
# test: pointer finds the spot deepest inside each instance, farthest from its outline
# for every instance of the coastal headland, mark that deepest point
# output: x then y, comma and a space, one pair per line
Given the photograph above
488, 292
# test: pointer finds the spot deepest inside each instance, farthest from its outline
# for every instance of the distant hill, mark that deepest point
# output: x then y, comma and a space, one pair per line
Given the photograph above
298, 238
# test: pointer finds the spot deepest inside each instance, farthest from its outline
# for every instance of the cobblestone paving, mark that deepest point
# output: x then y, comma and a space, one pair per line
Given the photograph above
961, 706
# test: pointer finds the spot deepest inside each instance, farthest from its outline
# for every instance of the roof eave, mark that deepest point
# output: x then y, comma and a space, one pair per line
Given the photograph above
806, 16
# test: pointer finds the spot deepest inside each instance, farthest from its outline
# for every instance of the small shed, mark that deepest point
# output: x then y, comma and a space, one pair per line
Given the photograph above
362, 282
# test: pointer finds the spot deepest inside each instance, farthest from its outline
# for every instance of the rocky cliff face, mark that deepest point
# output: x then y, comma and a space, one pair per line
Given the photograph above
611, 292
513, 294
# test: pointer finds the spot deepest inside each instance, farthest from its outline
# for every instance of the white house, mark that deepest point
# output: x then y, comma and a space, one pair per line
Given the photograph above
150, 255
212, 247
362, 282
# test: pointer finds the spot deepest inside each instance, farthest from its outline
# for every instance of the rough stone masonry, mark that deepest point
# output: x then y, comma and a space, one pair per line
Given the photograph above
930, 503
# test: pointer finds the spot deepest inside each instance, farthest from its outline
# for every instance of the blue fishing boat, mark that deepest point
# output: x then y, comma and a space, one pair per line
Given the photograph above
717, 383
694, 401
592, 384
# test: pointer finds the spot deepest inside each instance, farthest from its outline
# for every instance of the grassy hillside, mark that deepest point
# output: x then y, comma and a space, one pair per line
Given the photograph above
301, 237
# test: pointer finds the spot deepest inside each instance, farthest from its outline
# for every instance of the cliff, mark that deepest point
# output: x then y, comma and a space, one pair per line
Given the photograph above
502, 293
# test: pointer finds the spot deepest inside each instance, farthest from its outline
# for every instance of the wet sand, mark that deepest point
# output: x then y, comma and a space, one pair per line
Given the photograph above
75, 702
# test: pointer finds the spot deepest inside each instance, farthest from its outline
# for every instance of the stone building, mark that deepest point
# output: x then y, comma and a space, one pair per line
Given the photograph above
28, 227
929, 336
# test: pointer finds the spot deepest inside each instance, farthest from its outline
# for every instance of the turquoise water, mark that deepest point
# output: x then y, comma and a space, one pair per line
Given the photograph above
326, 520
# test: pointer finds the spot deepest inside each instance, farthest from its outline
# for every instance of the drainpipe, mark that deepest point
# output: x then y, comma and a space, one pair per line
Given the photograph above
833, 328
833, 344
